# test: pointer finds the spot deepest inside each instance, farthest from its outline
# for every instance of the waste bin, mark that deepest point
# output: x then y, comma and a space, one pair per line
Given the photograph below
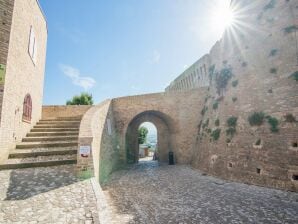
171, 158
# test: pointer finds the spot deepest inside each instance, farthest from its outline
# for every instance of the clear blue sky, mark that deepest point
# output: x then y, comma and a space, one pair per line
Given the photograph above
113, 48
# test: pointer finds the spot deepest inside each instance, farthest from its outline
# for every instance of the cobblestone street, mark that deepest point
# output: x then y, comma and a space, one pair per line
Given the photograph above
149, 193
46, 195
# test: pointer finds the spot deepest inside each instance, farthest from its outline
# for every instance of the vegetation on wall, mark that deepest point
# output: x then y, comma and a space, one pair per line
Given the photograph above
204, 110
83, 99
143, 132
216, 134
223, 78
205, 124
234, 99
273, 123
273, 70
295, 76
217, 122
270, 5
290, 29
273, 52
235, 83
215, 105
231, 123
256, 119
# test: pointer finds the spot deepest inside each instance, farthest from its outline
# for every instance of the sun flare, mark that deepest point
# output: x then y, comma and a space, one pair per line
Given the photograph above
222, 16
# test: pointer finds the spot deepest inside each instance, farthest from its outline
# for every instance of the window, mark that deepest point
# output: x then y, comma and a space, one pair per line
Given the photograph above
32, 46
27, 108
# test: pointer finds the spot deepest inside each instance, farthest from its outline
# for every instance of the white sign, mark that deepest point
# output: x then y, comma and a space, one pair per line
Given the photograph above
85, 150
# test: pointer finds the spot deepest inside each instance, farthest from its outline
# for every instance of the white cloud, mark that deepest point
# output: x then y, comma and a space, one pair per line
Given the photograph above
77, 79
156, 57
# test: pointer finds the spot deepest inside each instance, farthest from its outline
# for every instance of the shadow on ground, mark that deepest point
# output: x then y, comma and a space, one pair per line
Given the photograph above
26, 183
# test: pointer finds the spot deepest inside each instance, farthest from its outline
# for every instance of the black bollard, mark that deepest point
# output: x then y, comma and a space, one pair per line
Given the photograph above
171, 158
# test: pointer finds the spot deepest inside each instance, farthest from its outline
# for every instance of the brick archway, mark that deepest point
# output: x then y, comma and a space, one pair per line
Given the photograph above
164, 141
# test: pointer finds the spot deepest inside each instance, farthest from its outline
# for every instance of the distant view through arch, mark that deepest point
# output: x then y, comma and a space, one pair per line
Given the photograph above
152, 119
148, 140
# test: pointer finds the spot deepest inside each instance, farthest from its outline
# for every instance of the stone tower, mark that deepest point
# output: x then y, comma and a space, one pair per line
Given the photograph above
23, 32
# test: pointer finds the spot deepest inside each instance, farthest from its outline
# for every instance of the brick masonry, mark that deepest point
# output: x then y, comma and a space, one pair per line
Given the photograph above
22, 75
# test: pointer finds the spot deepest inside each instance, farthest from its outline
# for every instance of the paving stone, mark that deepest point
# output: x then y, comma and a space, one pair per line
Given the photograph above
40, 195
152, 193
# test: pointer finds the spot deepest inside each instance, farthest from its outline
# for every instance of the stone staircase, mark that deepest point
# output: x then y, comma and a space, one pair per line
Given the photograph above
51, 142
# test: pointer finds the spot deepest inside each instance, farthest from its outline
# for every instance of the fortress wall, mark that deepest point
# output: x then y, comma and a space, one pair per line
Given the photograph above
262, 55
64, 111
23, 76
97, 129
180, 111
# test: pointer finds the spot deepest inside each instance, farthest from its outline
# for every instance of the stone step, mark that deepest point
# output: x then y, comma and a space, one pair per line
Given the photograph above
59, 122
62, 133
63, 119
29, 145
55, 126
39, 161
54, 129
50, 139
26, 153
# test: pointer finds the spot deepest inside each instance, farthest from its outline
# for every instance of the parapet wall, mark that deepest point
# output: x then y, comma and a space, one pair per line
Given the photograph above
64, 111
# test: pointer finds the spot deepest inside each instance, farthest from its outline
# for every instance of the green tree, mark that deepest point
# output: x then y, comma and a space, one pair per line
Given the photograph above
143, 131
83, 99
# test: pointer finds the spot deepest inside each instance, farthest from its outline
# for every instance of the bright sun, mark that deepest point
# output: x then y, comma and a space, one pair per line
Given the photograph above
222, 16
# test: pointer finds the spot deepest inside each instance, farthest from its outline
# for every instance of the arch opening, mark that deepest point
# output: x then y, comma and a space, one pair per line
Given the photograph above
148, 140
163, 126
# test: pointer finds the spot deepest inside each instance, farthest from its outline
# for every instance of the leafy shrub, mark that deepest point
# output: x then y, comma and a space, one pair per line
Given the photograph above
290, 29
208, 130
232, 121
204, 110
216, 134
223, 78
215, 105
273, 52
290, 118
295, 76
205, 124
270, 5
256, 119
217, 122
231, 131
273, 123
228, 140
273, 70
235, 83
234, 99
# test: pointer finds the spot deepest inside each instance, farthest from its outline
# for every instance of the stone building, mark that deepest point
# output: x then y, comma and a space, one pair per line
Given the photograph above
23, 38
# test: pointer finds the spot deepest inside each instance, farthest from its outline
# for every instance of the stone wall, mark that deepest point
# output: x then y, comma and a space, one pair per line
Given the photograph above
23, 76
97, 130
180, 112
6, 10
64, 111
260, 53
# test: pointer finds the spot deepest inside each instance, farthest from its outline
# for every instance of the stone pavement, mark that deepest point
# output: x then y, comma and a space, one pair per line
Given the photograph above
46, 195
149, 193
